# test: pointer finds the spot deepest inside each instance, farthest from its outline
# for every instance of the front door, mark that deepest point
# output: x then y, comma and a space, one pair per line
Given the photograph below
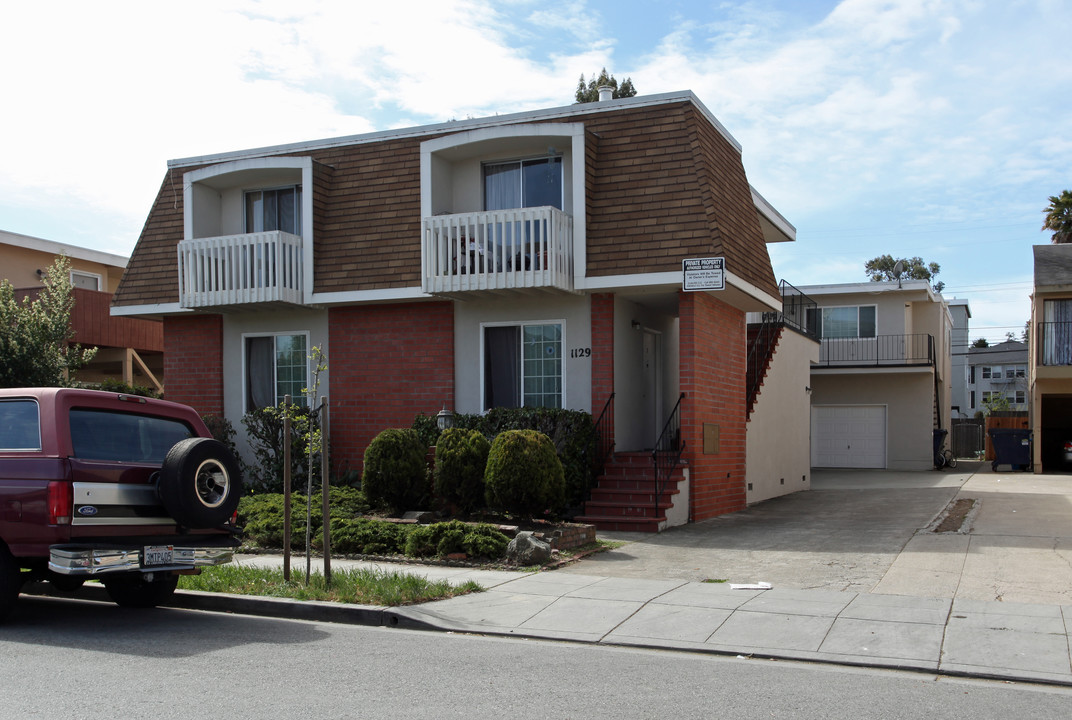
650, 400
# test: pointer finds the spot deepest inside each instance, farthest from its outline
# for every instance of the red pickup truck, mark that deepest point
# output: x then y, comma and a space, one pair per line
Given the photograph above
131, 490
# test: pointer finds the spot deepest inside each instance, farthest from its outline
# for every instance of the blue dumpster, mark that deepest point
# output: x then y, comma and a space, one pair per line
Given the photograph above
1012, 446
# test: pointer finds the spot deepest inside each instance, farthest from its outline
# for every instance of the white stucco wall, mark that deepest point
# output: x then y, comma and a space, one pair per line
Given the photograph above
777, 436
313, 322
632, 430
572, 310
908, 396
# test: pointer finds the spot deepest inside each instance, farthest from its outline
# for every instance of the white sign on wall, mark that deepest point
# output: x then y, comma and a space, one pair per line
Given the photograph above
703, 273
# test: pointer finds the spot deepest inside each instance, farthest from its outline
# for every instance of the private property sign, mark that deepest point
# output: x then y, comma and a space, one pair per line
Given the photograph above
703, 273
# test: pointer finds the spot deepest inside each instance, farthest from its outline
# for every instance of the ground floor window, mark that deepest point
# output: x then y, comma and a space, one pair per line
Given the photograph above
276, 365
523, 365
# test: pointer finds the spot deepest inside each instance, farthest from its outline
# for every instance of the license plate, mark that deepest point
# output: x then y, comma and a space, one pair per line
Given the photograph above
158, 555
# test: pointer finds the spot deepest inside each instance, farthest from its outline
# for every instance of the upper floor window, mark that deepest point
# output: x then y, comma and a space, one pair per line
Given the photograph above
276, 366
853, 321
274, 209
523, 183
85, 280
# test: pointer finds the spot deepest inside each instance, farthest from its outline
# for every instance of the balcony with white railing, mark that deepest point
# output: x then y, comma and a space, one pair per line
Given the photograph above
236, 270
497, 250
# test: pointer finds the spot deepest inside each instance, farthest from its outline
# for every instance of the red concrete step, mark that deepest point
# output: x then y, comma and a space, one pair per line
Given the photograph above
619, 524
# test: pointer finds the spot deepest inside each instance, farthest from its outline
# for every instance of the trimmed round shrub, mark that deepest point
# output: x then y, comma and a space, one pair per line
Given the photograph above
460, 458
524, 475
396, 472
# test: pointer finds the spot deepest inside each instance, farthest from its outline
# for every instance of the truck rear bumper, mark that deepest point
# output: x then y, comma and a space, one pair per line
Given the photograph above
85, 560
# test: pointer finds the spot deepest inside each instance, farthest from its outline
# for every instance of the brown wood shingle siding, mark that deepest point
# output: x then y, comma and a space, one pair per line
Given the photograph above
662, 184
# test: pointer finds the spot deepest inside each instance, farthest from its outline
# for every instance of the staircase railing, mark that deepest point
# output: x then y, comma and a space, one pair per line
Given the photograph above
759, 352
604, 438
668, 450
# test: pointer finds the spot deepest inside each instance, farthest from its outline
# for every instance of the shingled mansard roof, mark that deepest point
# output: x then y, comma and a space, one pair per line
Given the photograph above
664, 181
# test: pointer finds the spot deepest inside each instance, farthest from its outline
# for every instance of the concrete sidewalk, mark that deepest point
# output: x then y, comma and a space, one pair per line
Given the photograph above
859, 578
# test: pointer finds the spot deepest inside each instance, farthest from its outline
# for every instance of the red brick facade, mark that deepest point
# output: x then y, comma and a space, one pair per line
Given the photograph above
713, 379
193, 361
387, 364
602, 354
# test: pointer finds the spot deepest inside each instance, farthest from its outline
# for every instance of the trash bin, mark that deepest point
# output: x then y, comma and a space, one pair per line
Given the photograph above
1012, 446
939, 438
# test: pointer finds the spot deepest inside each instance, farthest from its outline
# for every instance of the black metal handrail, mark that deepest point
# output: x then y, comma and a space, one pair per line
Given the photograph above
759, 352
667, 452
915, 349
1054, 343
797, 309
604, 438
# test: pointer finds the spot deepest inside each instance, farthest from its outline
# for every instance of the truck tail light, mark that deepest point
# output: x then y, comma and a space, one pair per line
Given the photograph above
60, 503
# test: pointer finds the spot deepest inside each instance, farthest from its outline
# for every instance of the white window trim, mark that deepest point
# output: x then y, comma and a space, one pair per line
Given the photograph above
522, 323
245, 370
82, 273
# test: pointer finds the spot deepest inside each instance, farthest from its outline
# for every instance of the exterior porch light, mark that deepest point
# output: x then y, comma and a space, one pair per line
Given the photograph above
445, 419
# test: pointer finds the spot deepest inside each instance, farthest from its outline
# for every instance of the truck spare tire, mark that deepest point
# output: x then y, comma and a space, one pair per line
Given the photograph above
200, 483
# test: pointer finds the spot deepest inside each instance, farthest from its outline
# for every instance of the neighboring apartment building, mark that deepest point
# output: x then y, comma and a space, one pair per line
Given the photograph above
997, 376
528, 259
1050, 359
128, 349
960, 398
881, 386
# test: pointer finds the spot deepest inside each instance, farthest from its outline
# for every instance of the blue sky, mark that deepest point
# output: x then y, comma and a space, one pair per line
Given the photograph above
936, 128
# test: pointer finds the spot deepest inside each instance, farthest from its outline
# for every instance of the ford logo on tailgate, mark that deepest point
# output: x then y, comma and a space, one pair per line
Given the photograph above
87, 510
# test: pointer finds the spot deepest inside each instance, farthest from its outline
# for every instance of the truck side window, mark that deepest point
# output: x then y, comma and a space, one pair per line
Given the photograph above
20, 426
122, 437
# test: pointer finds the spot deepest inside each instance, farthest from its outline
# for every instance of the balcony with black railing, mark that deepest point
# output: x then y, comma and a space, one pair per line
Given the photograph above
881, 351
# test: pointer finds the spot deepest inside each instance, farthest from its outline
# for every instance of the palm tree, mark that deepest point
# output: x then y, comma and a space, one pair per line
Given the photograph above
1059, 217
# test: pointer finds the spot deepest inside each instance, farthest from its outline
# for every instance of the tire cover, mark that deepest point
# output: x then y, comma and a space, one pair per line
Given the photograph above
200, 483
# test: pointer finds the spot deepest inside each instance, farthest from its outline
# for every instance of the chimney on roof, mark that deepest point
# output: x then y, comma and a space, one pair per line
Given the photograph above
606, 92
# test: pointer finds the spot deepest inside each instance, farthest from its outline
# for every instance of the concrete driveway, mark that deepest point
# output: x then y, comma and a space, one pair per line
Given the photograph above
873, 532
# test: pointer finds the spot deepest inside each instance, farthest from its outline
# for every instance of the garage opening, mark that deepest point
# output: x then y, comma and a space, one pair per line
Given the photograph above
1056, 430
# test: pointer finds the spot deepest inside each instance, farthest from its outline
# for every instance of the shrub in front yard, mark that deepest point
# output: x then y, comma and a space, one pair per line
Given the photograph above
460, 458
365, 536
524, 475
261, 516
396, 472
573, 433
440, 539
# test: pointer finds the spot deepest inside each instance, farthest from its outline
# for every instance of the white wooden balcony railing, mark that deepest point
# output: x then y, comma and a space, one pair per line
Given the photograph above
497, 250
262, 267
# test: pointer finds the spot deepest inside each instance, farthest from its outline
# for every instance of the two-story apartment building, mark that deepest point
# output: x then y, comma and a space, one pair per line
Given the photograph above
128, 349
997, 376
881, 386
533, 259
960, 399
1050, 363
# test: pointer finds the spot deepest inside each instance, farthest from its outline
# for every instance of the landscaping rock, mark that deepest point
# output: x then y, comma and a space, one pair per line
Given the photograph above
420, 516
527, 549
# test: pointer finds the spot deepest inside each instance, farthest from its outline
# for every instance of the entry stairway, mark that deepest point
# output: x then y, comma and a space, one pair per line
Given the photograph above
624, 497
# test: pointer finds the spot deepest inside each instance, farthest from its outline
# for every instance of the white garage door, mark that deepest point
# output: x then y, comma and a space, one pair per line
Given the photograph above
852, 436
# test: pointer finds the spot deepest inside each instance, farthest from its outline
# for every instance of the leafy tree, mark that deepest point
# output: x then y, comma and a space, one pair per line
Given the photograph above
1059, 217
883, 268
980, 343
590, 92
35, 333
